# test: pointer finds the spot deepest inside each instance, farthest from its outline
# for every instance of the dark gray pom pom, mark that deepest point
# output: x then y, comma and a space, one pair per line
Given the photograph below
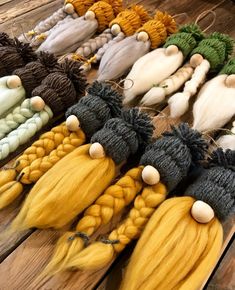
101, 104
122, 136
173, 153
216, 186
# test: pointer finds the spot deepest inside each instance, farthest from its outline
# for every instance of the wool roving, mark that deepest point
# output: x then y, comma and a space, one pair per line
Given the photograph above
164, 164
215, 104
20, 85
121, 56
210, 55
185, 235
83, 120
125, 24
14, 54
162, 62
69, 37
78, 179
58, 91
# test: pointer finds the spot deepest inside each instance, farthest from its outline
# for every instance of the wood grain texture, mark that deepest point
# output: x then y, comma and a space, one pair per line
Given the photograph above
24, 255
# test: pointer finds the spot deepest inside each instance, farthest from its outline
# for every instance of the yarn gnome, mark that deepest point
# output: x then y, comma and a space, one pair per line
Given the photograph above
122, 55
162, 62
57, 92
191, 222
67, 38
165, 163
83, 119
209, 56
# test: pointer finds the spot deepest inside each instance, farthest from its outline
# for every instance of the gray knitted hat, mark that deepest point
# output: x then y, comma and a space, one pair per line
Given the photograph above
123, 136
173, 154
216, 186
101, 104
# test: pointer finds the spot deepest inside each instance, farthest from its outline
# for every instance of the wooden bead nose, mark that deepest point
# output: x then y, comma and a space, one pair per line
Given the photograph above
37, 103
90, 15
202, 212
142, 36
172, 49
72, 123
14, 82
115, 29
230, 81
150, 175
96, 151
68, 8
196, 60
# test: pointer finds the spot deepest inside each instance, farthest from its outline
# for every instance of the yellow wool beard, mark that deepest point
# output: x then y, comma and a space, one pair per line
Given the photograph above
65, 190
174, 251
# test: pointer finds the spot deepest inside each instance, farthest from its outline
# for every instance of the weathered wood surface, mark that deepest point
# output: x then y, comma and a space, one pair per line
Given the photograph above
24, 255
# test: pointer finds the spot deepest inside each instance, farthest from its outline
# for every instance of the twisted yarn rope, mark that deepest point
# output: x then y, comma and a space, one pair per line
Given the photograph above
19, 116
144, 206
24, 132
41, 165
114, 199
43, 146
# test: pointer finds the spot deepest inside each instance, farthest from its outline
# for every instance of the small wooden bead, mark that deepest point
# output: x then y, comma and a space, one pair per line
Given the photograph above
72, 123
150, 175
142, 36
202, 212
196, 60
68, 8
14, 82
230, 81
115, 29
37, 103
90, 15
96, 151
172, 49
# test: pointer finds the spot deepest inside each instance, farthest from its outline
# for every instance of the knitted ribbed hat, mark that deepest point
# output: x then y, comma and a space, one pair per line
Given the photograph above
63, 88
186, 39
216, 185
229, 68
159, 28
98, 106
123, 136
131, 19
81, 6
14, 56
174, 152
215, 48
104, 14
116, 4
34, 72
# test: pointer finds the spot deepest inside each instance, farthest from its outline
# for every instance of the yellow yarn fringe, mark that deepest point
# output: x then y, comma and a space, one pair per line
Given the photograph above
81, 6
131, 19
167, 20
116, 4
110, 203
184, 250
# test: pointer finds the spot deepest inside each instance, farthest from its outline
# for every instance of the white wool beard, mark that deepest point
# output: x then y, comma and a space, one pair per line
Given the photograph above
69, 36
215, 105
150, 70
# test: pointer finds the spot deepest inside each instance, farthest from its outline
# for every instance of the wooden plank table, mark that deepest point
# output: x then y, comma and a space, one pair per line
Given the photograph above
24, 255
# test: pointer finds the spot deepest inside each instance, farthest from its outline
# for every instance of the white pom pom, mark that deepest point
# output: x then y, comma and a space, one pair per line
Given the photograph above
202, 212
14, 82
171, 49
37, 103
115, 29
96, 151
154, 96
179, 104
90, 15
196, 60
230, 81
68, 8
142, 36
150, 175
72, 123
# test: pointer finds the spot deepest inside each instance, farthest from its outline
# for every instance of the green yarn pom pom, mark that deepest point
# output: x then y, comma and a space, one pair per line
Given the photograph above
229, 68
194, 30
227, 40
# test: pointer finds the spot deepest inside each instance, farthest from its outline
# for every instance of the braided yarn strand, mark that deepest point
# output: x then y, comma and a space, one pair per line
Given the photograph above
24, 132
41, 165
43, 146
19, 116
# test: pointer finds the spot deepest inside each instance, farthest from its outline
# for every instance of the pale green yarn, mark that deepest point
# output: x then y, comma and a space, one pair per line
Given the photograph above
24, 132
18, 116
